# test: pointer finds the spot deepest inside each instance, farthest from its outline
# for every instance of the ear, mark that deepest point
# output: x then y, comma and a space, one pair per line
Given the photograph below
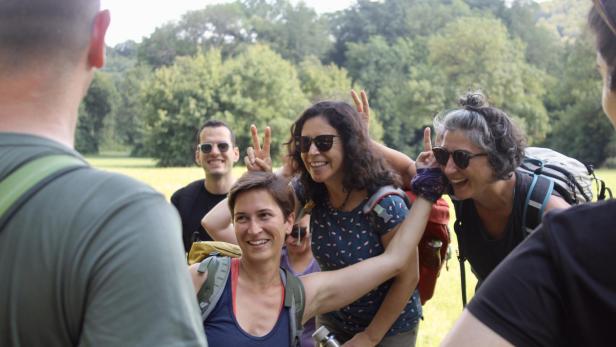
289, 223
96, 52
236, 154
198, 157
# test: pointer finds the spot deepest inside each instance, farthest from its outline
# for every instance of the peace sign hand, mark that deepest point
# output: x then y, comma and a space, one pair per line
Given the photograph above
363, 108
426, 158
258, 158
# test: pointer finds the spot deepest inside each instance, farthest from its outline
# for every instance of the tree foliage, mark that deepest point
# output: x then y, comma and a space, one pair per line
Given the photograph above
99, 102
264, 61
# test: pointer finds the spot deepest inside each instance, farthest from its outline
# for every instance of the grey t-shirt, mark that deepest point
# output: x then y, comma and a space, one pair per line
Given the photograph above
94, 258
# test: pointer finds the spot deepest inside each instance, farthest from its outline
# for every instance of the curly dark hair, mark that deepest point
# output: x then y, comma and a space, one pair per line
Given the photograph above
490, 129
605, 38
362, 167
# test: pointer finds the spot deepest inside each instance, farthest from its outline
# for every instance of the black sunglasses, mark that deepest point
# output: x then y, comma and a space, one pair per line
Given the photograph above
460, 157
323, 142
208, 147
298, 232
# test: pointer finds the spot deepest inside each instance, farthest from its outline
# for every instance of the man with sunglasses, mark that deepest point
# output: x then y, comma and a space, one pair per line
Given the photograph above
216, 153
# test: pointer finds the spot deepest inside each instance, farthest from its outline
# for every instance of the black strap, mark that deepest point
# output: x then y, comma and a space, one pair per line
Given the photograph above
457, 227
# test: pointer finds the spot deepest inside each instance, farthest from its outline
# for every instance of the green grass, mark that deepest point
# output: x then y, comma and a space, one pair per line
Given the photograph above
440, 313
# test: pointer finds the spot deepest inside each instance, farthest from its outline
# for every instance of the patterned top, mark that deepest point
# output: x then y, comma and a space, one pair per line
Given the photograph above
340, 239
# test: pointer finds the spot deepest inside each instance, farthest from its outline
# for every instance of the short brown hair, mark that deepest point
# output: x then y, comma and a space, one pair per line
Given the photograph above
277, 186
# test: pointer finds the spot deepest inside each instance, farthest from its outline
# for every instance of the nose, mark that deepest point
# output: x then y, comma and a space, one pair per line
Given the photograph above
313, 148
450, 167
215, 149
253, 227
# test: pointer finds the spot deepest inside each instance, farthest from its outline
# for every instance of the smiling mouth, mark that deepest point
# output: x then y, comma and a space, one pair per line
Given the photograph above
317, 164
257, 242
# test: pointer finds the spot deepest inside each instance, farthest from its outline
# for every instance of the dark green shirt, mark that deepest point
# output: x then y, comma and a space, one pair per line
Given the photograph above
94, 258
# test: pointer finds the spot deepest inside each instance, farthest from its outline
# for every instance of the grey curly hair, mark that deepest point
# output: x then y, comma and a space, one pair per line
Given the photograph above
488, 128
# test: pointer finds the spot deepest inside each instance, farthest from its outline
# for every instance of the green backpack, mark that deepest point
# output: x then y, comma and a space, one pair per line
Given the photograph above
31, 176
218, 269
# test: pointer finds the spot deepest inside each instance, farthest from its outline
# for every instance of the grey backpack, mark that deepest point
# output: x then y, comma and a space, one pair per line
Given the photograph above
218, 269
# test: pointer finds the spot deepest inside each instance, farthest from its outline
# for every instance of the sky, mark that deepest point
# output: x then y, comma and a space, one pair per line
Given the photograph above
134, 19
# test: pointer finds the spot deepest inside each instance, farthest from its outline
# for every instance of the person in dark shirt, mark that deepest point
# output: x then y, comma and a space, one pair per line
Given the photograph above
479, 149
558, 288
215, 152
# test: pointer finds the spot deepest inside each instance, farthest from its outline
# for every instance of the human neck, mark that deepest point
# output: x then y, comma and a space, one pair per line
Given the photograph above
343, 200
498, 196
33, 105
218, 184
262, 274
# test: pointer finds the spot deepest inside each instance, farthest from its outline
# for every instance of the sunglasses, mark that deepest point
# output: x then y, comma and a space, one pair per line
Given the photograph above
600, 5
208, 147
460, 157
298, 232
323, 143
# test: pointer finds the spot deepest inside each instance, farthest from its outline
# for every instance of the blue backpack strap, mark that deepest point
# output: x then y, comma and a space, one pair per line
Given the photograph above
373, 203
537, 198
218, 269
295, 300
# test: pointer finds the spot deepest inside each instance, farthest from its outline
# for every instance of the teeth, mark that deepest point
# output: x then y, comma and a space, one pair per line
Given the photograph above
317, 163
257, 243
457, 181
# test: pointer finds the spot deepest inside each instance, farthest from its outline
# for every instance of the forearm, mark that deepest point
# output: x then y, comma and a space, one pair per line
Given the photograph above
394, 303
398, 161
218, 223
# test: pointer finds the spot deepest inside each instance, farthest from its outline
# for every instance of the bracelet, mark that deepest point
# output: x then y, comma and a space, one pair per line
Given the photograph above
428, 183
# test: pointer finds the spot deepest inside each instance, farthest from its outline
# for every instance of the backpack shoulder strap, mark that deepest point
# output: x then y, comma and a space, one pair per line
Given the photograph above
537, 198
295, 300
29, 178
373, 202
218, 269
458, 227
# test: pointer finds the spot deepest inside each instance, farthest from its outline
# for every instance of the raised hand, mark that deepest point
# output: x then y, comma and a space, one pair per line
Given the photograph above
426, 158
258, 158
362, 106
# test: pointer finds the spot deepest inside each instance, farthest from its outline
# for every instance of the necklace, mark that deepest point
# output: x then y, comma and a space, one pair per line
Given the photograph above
346, 199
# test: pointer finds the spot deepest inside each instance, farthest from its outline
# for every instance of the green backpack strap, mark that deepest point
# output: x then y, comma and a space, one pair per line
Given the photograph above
29, 178
218, 269
295, 300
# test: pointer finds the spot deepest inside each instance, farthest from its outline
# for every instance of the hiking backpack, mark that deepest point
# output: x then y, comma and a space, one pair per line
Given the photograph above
550, 171
218, 269
434, 244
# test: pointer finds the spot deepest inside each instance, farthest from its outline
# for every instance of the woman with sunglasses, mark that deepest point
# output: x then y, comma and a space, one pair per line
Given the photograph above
250, 311
297, 257
339, 168
479, 150
558, 288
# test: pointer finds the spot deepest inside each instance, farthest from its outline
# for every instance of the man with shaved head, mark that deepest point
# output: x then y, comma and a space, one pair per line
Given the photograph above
89, 257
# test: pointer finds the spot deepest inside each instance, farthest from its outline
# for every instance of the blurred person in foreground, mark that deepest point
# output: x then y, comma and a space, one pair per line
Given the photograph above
92, 258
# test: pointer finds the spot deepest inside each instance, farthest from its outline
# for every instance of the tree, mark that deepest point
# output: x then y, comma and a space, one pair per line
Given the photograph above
177, 100
263, 89
580, 130
99, 102
477, 53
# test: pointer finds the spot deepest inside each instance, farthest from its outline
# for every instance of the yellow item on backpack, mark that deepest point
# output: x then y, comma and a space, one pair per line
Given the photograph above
203, 249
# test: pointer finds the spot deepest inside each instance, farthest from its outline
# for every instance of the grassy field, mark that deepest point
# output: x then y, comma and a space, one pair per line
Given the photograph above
440, 313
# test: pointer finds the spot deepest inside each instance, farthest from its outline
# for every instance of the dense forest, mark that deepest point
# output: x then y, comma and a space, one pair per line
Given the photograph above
264, 61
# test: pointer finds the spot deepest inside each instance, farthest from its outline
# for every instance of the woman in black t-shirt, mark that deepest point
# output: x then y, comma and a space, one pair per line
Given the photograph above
479, 148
